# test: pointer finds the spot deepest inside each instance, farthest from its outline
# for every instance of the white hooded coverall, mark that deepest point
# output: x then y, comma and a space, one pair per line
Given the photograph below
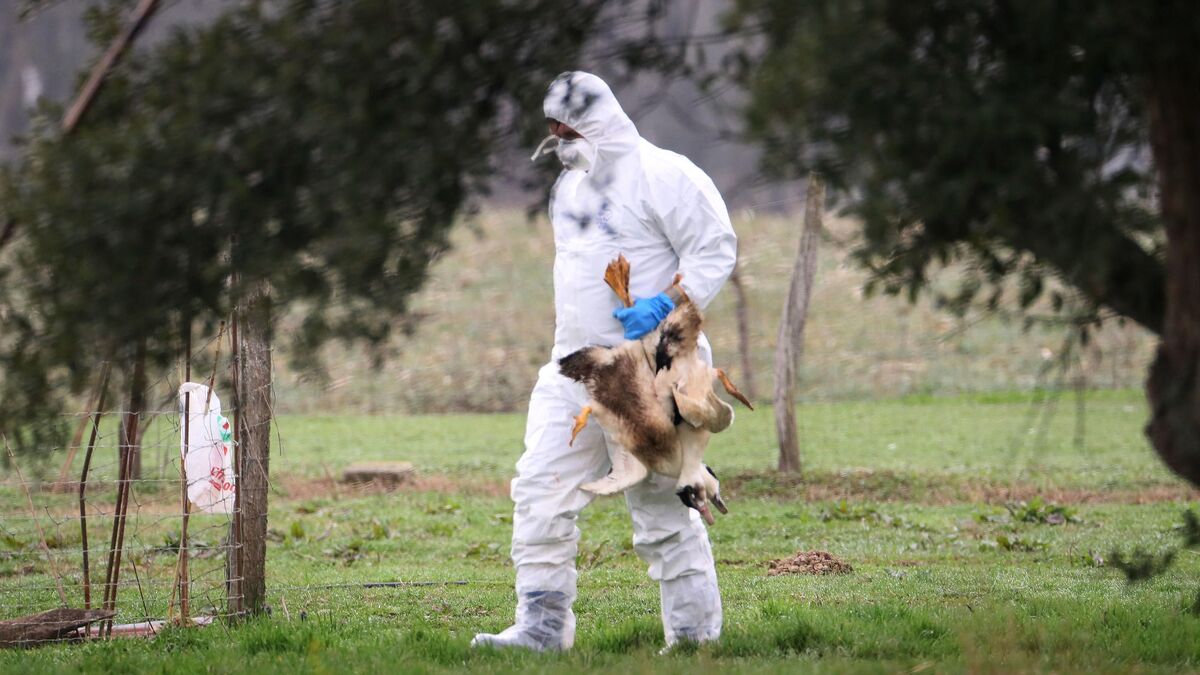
665, 215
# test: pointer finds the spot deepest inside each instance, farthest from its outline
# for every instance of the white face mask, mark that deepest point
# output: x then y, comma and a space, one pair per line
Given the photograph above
576, 153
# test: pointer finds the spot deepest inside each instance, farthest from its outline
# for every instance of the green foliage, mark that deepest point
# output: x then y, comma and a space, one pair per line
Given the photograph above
445, 508
1011, 136
348, 553
1141, 564
296, 531
591, 557
1004, 542
378, 530
492, 551
324, 148
842, 510
1038, 511
1034, 511
1190, 529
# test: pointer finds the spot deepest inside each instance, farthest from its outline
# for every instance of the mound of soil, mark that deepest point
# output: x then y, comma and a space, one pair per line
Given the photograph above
810, 562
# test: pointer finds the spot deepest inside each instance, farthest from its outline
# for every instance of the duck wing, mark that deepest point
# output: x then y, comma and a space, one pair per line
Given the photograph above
700, 407
627, 471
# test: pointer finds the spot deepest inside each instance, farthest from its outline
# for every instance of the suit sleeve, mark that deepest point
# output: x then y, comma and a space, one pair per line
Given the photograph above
697, 225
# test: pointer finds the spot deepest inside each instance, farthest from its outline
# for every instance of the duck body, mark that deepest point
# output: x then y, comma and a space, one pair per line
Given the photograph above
655, 397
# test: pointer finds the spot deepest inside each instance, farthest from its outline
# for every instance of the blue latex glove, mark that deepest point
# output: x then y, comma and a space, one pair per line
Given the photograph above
644, 316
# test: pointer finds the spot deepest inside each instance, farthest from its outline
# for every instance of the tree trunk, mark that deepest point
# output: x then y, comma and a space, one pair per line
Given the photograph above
1173, 387
742, 309
255, 397
790, 344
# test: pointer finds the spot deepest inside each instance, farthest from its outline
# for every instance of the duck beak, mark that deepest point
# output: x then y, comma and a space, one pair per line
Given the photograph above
716, 498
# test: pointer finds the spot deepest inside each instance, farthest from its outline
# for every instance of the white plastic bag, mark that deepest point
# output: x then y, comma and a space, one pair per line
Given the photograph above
207, 452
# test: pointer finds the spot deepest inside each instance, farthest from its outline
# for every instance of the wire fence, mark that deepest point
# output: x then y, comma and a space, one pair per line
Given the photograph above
122, 529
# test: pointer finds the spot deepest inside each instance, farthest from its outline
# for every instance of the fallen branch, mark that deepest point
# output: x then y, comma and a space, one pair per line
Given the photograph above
50, 626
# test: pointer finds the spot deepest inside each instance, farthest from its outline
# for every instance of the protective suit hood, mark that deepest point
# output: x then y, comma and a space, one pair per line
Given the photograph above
585, 103
653, 206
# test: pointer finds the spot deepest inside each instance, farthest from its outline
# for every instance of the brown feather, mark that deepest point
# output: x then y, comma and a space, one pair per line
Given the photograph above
621, 384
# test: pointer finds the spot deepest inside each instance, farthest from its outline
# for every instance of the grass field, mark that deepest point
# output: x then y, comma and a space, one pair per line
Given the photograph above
909, 491
922, 435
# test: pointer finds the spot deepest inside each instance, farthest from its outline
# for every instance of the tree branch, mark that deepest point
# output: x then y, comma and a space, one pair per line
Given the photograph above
141, 17
1133, 283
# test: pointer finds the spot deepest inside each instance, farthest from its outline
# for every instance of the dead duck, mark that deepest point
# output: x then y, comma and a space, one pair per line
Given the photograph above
655, 396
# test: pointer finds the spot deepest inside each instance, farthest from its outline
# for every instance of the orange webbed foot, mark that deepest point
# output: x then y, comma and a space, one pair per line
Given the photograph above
732, 388
580, 422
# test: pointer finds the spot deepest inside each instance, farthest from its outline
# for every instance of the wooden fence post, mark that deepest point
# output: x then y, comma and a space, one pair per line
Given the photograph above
233, 561
255, 399
790, 344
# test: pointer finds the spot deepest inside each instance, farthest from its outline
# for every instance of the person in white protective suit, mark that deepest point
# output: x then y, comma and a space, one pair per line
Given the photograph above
618, 194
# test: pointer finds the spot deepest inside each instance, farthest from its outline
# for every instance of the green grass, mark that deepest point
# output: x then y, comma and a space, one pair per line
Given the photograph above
921, 592
909, 491
997, 438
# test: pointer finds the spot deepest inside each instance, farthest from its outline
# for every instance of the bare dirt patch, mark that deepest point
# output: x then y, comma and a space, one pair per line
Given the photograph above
286, 486
888, 486
300, 487
809, 562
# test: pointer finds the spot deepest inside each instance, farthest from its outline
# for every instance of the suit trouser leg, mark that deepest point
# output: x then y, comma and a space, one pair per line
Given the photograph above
672, 540
547, 500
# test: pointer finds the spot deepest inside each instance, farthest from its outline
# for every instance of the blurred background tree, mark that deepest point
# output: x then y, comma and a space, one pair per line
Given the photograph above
322, 148
1026, 140
1041, 149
